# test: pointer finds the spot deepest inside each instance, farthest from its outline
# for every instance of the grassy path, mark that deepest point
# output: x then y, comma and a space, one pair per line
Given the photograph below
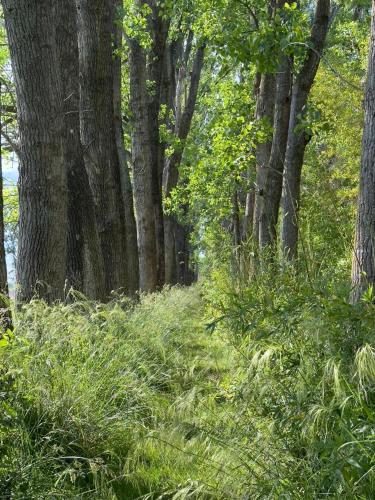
112, 402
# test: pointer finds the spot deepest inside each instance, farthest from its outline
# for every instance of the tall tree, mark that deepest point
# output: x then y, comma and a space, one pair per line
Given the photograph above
363, 269
297, 137
142, 168
175, 235
84, 257
31, 29
126, 186
95, 32
249, 215
146, 67
265, 115
159, 76
158, 27
274, 178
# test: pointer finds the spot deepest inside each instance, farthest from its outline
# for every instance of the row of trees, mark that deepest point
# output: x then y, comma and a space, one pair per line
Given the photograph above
265, 179
78, 228
106, 93
281, 99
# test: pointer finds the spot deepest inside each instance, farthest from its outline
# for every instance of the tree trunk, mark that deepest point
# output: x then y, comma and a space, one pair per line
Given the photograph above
126, 186
185, 275
274, 177
236, 232
171, 173
84, 270
142, 165
247, 225
95, 31
363, 269
248, 221
158, 28
31, 29
297, 139
264, 113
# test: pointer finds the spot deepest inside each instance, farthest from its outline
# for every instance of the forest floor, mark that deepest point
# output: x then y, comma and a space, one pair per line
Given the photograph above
159, 400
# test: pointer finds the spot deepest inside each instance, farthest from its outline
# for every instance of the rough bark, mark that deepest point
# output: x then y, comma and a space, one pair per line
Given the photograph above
158, 27
142, 169
173, 256
264, 113
84, 270
186, 275
41, 263
275, 167
95, 31
363, 268
297, 139
248, 220
126, 186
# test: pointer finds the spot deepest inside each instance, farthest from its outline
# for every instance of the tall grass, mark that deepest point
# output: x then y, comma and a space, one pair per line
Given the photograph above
308, 366
114, 401
228, 391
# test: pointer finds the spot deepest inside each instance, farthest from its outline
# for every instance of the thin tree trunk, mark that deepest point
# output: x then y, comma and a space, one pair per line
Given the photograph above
168, 99
264, 113
143, 173
185, 275
158, 28
297, 139
171, 171
236, 232
358, 12
248, 221
95, 31
274, 177
247, 225
363, 269
126, 186
31, 29
84, 259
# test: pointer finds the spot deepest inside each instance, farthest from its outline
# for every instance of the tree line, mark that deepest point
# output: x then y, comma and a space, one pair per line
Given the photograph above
106, 95
78, 226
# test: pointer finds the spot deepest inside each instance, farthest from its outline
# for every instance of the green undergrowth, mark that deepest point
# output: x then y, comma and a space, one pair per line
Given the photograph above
222, 391
309, 368
117, 401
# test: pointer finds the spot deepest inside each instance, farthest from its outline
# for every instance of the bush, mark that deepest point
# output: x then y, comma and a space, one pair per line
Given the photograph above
308, 366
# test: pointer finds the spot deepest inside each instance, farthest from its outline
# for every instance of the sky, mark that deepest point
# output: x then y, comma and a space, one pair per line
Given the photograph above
10, 178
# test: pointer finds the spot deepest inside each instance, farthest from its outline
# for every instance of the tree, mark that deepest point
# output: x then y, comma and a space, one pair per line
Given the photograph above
363, 268
142, 168
297, 136
176, 235
84, 270
97, 118
274, 178
164, 83
126, 186
31, 29
146, 59
158, 27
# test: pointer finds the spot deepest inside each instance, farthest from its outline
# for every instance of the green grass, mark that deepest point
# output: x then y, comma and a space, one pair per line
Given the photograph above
262, 390
108, 401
